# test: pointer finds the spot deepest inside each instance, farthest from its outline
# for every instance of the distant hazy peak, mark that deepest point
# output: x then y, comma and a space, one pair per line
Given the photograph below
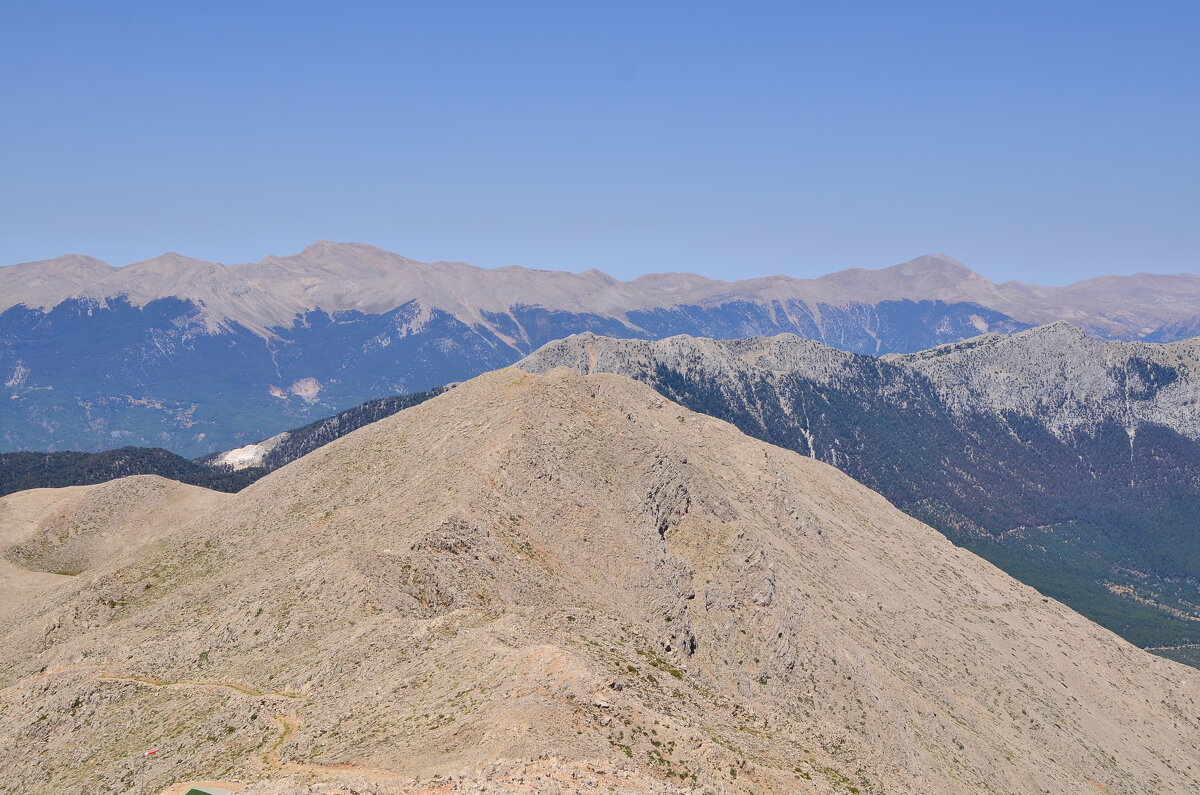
64, 262
68, 266
355, 276
921, 267
47, 282
172, 259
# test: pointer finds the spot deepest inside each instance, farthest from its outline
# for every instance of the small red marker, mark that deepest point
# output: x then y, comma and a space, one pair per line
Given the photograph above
152, 752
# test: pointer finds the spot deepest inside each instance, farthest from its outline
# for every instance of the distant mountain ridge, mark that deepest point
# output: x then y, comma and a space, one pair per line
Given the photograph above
199, 357
229, 471
354, 277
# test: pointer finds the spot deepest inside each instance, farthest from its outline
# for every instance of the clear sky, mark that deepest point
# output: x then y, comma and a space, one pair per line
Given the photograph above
1043, 141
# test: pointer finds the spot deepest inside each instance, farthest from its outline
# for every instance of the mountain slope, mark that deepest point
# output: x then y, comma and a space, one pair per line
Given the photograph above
48, 536
1072, 382
86, 374
100, 522
530, 582
1072, 463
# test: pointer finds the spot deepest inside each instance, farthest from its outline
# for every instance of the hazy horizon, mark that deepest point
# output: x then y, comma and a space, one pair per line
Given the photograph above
625, 277
1043, 144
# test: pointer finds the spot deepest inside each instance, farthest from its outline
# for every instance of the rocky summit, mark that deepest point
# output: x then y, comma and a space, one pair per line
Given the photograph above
1070, 462
559, 582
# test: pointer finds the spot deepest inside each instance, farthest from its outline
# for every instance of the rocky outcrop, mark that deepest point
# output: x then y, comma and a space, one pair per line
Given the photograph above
1068, 380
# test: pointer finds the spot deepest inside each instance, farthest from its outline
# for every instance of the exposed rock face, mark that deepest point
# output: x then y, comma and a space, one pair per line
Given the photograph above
247, 456
566, 581
1068, 380
1055, 374
1072, 462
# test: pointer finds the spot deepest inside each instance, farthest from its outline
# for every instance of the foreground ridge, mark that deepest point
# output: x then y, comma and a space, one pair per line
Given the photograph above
572, 578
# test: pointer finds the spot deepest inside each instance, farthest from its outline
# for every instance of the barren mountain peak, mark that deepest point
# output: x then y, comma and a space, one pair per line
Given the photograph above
171, 261
940, 265
65, 261
333, 253
662, 597
1060, 330
936, 260
1057, 328
935, 266
329, 247
46, 282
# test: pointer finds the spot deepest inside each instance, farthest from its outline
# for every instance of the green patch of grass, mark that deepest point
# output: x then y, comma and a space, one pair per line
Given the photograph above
840, 781
661, 664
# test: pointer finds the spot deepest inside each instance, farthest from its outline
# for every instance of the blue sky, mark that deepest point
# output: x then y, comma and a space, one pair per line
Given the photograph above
1038, 141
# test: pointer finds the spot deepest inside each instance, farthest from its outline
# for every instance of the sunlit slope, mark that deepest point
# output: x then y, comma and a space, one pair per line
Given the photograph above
564, 576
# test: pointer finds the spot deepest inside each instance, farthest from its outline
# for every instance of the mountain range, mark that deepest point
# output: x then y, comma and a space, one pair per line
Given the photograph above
539, 583
199, 357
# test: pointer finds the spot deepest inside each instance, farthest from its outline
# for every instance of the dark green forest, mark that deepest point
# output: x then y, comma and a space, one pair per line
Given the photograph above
25, 470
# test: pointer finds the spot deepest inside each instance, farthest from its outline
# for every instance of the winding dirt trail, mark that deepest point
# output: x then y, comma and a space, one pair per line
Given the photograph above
182, 787
289, 725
